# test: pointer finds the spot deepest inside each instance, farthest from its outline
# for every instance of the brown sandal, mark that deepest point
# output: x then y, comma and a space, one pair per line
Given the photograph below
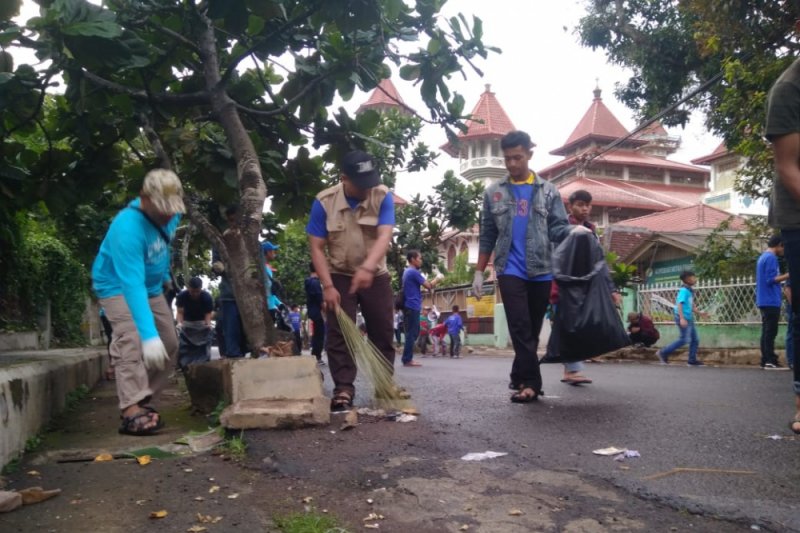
522, 397
341, 401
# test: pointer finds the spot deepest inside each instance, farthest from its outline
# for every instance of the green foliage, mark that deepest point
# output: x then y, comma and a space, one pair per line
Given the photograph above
308, 522
621, 273
421, 224
33, 443
235, 447
461, 273
46, 271
292, 261
726, 254
75, 397
673, 47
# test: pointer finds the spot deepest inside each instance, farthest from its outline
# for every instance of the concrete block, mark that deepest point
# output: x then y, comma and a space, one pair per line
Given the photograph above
21, 340
277, 413
208, 384
291, 378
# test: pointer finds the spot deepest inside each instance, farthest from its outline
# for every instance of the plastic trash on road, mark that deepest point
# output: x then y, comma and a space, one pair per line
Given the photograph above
609, 451
480, 456
627, 454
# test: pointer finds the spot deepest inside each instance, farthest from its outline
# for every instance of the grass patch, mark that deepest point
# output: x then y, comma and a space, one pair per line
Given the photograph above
213, 418
33, 443
11, 467
310, 522
234, 447
75, 397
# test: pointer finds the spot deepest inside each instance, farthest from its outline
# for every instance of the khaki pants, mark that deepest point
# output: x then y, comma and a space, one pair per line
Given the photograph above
134, 382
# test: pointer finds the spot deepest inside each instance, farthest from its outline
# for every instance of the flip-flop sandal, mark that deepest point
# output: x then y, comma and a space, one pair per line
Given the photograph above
523, 398
131, 426
577, 381
341, 402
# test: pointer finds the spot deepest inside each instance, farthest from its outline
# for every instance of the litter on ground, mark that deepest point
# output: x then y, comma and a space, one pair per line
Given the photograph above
480, 456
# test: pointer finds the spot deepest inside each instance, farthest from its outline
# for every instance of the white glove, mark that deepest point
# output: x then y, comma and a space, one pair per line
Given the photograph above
154, 354
477, 285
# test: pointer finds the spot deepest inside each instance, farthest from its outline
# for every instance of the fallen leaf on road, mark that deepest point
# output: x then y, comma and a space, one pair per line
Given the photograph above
308, 499
104, 457
196, 529
463, 528
143, 460
213, 489
158, 514
33, 473
233, 496
141, 502
199, 499
188, 470
372, 516
515, 512
33, 495
350, 421
372, 526
370, 501
208, 519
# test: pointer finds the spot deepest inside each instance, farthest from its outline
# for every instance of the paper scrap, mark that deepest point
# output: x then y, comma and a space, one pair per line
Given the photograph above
480, 456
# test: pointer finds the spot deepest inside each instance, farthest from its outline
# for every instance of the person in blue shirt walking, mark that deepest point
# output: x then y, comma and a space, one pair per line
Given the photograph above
768, 299
294, 321
684, 312
413, 280
129, 275
454, 325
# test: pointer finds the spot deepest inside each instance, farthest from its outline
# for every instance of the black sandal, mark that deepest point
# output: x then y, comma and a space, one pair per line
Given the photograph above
341, 401
520, 397
134, 425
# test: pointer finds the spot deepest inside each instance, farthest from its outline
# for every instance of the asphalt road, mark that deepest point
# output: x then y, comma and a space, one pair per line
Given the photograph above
716, 420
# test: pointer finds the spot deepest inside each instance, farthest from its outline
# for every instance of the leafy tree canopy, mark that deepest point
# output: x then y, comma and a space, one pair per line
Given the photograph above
674, 47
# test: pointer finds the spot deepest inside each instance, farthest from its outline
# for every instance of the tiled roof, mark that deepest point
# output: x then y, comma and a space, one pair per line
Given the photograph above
622, 240
384, 96
719, 152
635, 195
699, 216
626, 157
654, 129
597, 122
489, 120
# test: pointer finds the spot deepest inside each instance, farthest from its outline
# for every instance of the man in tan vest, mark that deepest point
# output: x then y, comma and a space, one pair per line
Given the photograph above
349, 231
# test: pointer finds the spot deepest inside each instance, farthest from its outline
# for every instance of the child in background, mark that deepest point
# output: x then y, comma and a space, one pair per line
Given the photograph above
454, 326
437, 335
294, 320
684, 314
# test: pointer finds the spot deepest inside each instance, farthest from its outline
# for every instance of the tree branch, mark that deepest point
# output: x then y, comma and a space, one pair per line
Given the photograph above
196, 98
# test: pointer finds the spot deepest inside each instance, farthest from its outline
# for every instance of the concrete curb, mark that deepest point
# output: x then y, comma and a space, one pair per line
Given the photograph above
34, 388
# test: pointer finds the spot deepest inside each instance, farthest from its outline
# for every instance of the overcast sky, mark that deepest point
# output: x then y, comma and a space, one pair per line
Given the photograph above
543, 79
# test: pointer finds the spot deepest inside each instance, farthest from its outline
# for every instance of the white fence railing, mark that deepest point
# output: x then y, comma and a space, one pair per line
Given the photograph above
726, 301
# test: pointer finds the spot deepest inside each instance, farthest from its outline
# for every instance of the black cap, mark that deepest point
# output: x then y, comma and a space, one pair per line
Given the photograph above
195, 283
360, 167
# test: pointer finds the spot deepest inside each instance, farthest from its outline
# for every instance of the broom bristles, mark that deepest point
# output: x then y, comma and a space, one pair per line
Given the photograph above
369, 360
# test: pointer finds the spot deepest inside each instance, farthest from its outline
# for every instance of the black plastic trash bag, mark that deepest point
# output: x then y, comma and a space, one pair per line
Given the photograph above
586, 322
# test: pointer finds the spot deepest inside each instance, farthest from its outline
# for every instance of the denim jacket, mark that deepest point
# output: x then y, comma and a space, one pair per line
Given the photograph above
547, 223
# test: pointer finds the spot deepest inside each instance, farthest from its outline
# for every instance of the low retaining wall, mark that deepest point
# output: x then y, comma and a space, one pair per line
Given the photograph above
34, 388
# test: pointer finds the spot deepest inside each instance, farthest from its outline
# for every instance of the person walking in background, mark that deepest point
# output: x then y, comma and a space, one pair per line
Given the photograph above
641, 329
128, 277
314, 311
195, 307
437, 335
413, 281
684, 314
233, 343
768, 300
398, 325
353, 221
454, 325
522, 215
783, 131
295, 320
789, 340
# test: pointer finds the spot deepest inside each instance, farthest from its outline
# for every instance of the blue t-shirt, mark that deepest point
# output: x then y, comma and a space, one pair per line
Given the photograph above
412, 281
133, 262
454, 324
685, 300
768, 292
515, 266
316, 222
294, 318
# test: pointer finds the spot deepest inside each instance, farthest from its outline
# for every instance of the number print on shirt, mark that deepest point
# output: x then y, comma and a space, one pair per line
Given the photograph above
522, 207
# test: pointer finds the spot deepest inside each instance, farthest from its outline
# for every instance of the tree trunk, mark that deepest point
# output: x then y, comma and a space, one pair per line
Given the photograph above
241, 249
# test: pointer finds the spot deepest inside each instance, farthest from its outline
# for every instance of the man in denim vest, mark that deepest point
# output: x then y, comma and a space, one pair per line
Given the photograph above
522, 215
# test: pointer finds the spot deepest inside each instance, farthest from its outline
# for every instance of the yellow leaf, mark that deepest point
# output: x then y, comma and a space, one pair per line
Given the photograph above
34, 473
143, 460
158, 514
104, 457
213, 489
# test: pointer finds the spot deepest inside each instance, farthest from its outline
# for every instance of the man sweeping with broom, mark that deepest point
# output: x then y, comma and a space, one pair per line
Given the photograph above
353, 222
